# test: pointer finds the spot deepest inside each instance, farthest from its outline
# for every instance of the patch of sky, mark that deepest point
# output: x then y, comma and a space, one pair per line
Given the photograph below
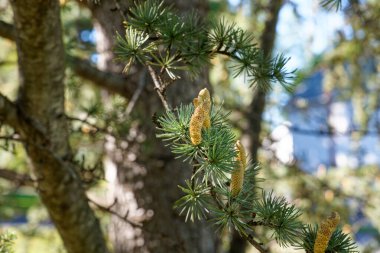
88, 36
94, 58
304, 30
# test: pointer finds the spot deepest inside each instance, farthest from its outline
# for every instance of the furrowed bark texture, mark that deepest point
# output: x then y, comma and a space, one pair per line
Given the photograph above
143, 173
257, 105
41, 105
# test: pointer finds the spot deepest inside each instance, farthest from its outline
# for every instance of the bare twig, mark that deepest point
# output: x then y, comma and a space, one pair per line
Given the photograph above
137, 93
12, 137
120, 10
109, 209
159, 87
86, 122
255, 244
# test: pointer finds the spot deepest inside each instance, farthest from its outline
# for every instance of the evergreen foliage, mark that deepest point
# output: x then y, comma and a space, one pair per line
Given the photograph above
157, 37
329, 4
339, 241
207, 194
6, 242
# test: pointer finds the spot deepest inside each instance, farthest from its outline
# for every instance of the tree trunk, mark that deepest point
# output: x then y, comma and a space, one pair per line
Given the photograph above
257, 105
42, 124
143, 174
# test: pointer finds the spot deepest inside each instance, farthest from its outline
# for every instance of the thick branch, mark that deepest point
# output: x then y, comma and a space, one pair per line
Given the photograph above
116, 83
16, 178
8, 112
113, 82
7, 30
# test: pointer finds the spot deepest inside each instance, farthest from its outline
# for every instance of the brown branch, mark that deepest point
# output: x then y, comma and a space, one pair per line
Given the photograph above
255, 244
95, 128
16, 178
7, 30
9, 113
118, 7
112, 82
109, 209
141, 84
159, 87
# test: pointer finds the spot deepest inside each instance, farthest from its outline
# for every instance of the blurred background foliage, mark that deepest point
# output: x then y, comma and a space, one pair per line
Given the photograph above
343, 45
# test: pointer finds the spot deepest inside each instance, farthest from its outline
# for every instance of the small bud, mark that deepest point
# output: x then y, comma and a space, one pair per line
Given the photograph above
237, 176
326, 229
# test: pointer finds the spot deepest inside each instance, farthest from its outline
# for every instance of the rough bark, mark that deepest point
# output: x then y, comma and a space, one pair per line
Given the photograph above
145, 174
257, 106
41, 122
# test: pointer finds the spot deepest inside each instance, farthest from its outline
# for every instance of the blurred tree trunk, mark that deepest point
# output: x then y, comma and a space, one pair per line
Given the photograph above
39, 117
257, 105
143, 174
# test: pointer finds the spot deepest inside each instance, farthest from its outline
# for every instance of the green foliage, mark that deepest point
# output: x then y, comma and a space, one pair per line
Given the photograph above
339, 241
131, 49
195, 202
207, 194
329, 4
282, 217
157, 36
6, 242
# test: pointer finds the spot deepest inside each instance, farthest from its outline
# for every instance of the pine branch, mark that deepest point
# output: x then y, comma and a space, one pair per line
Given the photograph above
282, 217
330, 4
339, 241
158, 36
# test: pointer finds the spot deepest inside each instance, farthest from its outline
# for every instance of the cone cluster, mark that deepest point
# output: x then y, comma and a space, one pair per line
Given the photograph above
237, 176
326, 229
201, 116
